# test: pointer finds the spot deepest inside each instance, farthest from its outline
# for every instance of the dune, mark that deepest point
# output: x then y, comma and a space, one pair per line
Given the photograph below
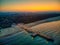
51, 29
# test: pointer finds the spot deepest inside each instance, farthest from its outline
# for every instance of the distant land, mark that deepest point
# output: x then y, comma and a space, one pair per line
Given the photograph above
9, 18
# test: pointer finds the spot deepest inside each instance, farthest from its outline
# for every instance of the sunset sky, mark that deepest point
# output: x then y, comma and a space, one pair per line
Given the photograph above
29, 5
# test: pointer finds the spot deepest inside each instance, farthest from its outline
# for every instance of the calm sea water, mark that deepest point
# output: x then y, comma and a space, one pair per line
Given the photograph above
22, 38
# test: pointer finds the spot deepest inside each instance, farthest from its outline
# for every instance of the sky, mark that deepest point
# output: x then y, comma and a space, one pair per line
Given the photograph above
29, 5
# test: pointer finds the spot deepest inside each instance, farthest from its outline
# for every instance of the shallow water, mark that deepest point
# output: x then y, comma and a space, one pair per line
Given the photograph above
22, 38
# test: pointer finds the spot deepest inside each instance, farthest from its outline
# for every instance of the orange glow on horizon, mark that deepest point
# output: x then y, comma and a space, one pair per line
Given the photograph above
31, 7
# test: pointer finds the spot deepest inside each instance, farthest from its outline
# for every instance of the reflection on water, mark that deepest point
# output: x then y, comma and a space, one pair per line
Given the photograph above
23, 38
